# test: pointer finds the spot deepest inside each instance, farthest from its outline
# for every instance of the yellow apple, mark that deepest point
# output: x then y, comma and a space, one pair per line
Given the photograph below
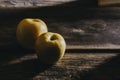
50, 47
28, 30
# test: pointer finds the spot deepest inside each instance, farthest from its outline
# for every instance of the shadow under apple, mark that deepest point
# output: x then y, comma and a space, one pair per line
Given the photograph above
23, 70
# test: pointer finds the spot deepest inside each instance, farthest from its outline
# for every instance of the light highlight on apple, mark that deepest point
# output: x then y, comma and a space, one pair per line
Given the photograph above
28, 30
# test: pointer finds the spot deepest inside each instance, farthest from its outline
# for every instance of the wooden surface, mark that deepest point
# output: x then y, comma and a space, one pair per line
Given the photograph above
109, 2
41, 3
89, 27
30, 3
74, 66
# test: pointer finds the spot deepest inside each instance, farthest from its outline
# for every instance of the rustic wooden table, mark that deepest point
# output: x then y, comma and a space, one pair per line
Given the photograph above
92, 35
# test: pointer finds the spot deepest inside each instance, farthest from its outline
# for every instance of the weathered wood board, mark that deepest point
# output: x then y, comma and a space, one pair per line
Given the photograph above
91, 34
109, 2
83, 28
42, 3
74, 66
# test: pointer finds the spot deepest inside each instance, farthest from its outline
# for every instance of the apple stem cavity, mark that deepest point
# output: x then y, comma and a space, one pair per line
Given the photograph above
52, 38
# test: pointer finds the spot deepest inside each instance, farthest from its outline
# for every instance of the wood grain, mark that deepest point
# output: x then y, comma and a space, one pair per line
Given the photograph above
73, 66
41, 3
109, 2
98, 29
89, 27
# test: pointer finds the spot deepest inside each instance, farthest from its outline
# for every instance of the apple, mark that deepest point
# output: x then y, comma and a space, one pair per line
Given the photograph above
28, 30
50, 47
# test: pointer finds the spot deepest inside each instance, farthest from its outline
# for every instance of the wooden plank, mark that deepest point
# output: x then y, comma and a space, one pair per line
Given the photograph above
109, 2
72, 66
85, 29
30, 3
97, 30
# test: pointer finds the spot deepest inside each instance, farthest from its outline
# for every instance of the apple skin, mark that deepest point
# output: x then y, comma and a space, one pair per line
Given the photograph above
28, 30
50, 47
